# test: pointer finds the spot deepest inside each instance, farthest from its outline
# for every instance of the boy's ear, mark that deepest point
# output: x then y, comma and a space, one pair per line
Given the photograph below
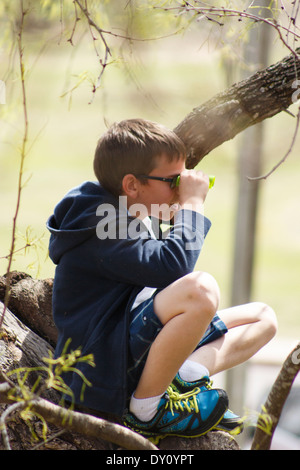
130, 185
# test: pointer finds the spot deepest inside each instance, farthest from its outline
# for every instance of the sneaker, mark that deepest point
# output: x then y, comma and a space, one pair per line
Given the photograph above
191, 414
230, 422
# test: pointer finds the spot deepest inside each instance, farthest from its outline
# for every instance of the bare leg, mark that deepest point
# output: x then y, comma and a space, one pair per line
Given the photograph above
185, 308
250, 327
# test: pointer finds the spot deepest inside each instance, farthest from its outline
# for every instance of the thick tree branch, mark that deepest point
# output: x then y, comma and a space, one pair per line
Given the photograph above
81, 423
276, 399
91, 426
263, 95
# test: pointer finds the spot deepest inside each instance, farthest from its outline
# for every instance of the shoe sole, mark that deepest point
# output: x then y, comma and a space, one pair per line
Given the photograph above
156, 437
234, 431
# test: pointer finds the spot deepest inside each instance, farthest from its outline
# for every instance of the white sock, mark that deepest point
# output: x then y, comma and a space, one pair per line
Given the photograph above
191, 371
144, 408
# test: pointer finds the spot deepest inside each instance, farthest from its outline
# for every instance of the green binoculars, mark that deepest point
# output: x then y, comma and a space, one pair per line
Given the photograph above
211, 181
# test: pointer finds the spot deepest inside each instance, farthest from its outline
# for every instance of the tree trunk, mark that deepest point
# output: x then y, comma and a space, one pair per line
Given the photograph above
256, 51
261, 96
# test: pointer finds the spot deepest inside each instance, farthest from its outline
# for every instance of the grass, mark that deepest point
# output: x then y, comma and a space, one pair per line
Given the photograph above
163, 85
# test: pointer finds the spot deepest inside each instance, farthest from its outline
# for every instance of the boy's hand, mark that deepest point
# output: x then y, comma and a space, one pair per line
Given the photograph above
193, 189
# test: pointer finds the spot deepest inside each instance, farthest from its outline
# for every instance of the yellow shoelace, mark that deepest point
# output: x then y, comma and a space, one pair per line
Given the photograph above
182, 400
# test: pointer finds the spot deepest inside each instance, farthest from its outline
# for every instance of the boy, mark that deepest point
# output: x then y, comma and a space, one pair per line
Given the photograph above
127, 293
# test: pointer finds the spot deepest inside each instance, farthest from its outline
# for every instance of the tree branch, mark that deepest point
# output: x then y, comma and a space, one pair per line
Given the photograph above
283, 159
276, 399
209, 12
81, 423
246, 103
91, 426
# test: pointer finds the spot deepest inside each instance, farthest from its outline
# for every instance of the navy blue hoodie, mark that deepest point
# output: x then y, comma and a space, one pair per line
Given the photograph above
98, 277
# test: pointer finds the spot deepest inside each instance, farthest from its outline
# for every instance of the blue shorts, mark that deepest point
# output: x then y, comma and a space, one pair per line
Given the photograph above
143, 329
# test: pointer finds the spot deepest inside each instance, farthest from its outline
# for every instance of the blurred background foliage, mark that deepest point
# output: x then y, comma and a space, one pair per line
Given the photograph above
160, 66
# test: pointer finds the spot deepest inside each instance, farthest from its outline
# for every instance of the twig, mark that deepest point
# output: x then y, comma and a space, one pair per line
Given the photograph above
263, 177
104, 62
22, 160
107, 51
228, 12
49, 439
3, 418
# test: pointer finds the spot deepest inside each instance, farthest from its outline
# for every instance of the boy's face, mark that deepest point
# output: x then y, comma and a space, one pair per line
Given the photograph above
157, 196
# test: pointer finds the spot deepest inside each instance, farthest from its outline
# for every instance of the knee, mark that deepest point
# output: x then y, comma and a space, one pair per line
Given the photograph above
267, 317
203, 292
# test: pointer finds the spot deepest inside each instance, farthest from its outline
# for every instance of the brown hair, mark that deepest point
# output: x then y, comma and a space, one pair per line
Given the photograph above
133, 146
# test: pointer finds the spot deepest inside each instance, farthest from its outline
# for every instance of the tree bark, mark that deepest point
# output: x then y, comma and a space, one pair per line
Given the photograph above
261, 96
276, 400
31, 301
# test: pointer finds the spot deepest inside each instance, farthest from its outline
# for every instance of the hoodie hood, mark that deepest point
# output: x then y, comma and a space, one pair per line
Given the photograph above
74, 219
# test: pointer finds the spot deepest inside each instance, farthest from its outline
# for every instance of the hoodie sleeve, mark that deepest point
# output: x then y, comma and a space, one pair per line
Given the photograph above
93, 232
135, 258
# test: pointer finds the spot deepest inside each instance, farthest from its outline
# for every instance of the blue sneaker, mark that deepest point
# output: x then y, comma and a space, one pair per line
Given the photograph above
191, 414
230, 422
